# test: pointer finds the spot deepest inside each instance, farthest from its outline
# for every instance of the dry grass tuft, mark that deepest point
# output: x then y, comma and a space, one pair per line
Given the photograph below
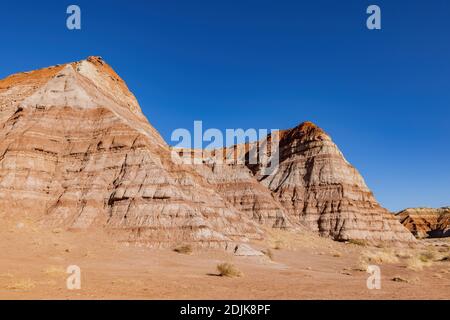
427, 256
55, 271
379, 256
228, 270
416, 263
278, 245
184, 249
399, 279
358, 242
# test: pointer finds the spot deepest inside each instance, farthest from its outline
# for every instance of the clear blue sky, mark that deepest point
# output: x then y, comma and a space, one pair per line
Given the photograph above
383, 96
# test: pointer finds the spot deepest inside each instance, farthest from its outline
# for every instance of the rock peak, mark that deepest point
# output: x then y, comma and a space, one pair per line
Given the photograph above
95, 59
84, 84
305, 131
307, 127
307, 124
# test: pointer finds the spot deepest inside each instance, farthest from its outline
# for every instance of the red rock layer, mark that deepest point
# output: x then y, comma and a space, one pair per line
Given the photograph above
426, 222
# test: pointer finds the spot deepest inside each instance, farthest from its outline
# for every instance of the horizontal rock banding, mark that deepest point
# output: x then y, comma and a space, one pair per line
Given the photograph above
426, 222
76, 151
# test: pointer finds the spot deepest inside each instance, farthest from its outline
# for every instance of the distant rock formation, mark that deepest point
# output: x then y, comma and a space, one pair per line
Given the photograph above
77, 152
426, 222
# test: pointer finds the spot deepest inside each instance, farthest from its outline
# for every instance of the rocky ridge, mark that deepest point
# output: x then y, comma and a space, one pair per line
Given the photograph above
77, 152
314, 187
426, 222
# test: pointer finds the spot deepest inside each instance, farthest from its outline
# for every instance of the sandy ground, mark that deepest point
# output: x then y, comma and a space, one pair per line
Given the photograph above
33, 265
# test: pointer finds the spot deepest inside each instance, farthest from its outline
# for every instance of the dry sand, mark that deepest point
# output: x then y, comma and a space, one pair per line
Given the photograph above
33, 262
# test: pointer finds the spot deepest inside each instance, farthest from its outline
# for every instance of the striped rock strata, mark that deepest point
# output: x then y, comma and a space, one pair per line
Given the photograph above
314, 184
236, 183
426, 222
318, 187
77, 152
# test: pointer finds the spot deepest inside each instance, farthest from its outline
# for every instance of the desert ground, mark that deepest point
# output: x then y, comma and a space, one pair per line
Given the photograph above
33, 263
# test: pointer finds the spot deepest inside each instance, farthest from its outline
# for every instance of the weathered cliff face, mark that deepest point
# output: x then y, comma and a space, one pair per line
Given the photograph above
227, 172
426, 222
77, 152
320, 189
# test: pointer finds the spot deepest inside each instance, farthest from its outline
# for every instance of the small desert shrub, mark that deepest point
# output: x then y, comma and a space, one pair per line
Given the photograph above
278, 245
184, 249
358, 242
228, 270
337, 254
362, 265
268, 253
427, 256
416, 263
399, 279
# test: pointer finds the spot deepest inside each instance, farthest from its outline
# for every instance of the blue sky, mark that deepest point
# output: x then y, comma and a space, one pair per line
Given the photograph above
383, 95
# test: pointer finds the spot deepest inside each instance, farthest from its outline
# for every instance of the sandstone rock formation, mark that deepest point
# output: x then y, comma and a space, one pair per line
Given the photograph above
426, 222
238, 185
77, 152
318, 187
314, 184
